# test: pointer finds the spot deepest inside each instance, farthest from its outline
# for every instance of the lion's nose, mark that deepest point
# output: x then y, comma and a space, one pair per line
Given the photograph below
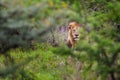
76, 35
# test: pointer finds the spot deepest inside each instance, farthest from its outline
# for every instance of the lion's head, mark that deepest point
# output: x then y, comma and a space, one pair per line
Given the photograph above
73, 33
74, 30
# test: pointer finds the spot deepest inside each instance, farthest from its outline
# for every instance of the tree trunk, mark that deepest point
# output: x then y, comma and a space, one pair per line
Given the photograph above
111, 76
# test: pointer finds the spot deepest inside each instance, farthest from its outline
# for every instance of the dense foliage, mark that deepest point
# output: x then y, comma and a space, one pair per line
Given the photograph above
33, 34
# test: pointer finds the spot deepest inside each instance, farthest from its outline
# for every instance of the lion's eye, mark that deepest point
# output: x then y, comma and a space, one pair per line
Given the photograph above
74, 30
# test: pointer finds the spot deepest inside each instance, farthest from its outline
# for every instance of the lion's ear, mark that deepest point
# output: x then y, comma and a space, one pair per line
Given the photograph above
69, 26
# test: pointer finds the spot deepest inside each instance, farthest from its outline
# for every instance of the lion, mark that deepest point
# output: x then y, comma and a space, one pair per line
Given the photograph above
73, 34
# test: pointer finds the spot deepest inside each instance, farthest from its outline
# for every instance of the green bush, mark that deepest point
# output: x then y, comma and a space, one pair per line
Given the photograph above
27, 23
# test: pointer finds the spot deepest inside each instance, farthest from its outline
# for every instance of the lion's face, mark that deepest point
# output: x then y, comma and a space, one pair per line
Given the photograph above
74, 30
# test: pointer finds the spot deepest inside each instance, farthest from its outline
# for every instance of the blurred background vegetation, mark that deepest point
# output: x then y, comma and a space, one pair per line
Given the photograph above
33, 35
